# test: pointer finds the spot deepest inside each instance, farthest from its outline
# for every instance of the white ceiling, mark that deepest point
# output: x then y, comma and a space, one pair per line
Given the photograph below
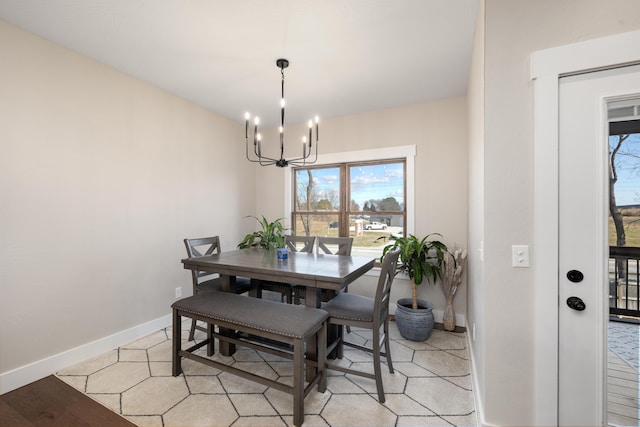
347, 56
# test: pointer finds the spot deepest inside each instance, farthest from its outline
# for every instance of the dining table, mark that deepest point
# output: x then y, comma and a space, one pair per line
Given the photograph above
317, 272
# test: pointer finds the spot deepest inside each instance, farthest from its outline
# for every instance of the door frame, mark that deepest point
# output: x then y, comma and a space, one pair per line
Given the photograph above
547, 67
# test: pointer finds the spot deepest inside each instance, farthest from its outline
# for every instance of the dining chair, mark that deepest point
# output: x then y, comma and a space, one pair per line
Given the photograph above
327, 246
294, 244
300, 243
203, 247
347, 309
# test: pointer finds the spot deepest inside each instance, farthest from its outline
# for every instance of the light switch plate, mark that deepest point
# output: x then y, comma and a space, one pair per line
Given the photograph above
520, 256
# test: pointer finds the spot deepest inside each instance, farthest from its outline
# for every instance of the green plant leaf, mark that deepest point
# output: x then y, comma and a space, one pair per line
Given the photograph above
270, 237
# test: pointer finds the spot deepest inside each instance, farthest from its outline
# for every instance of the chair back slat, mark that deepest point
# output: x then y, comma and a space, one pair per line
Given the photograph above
335, 245
300, 243
383, 291
204, 246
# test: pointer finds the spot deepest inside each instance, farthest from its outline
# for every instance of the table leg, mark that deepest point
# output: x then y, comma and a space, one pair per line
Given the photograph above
226, 348
333, 332
256, 289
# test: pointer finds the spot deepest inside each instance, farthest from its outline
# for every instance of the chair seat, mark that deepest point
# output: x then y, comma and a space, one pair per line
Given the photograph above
284, 289
210, 285
300, 293
350, 307
242, 285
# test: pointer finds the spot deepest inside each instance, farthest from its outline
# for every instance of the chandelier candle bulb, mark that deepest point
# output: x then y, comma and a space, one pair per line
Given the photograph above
246, 125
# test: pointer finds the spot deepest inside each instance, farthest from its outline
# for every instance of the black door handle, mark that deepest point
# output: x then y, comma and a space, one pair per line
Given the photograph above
575, 276
576, 303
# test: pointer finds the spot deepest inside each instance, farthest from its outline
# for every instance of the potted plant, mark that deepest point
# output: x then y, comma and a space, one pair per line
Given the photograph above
270, 237
420, 259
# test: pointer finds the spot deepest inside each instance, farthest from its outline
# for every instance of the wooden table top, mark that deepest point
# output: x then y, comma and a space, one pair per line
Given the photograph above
314, 270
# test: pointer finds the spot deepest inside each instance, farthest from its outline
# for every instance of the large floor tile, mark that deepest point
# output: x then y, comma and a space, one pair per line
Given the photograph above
357, 410
117, 377
431, 385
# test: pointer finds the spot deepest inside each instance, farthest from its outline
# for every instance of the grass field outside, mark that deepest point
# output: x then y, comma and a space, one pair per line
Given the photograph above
365, 243
631, 220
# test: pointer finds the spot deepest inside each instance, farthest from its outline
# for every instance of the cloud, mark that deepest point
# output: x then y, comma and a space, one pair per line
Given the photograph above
330, 179
369, 179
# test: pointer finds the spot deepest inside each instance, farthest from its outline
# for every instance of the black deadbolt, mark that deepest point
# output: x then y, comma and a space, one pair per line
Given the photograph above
575, 276
576, 303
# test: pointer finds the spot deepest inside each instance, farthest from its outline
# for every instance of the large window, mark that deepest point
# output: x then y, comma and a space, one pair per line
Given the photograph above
364, 200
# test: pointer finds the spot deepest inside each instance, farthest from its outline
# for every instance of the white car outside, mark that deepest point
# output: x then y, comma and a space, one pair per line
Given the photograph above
375, 226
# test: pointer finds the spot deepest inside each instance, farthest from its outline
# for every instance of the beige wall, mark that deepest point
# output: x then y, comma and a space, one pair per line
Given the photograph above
439, 132
101, 177
513, 30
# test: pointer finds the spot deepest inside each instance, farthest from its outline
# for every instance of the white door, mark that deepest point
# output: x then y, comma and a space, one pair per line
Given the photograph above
583, 246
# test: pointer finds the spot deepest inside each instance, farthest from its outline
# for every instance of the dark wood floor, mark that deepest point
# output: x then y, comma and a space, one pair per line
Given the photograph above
51, 402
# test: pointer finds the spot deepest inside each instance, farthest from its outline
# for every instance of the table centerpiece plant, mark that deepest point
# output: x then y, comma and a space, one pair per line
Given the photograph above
270, 237
421, 259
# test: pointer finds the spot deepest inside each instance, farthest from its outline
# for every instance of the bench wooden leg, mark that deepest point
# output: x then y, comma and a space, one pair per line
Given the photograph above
192, 331
321, 338
227, 348
211, 342
298, 382
176, 363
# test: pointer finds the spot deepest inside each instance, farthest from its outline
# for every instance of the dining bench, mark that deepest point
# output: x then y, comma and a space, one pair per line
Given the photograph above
262, 325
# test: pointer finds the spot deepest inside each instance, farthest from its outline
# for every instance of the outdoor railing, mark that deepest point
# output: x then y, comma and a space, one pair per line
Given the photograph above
624, 281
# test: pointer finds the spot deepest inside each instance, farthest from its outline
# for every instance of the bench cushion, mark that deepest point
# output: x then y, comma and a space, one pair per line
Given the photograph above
292, 321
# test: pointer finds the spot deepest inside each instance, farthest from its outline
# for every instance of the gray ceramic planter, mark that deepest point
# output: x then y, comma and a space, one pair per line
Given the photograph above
414, 325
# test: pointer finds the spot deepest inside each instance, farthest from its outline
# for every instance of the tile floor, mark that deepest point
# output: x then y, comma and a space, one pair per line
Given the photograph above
431, 386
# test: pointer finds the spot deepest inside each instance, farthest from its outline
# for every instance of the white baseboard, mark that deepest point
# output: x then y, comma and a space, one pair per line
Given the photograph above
477, 393
34, 371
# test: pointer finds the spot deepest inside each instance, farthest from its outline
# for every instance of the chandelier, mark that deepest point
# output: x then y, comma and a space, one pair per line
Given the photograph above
307, 145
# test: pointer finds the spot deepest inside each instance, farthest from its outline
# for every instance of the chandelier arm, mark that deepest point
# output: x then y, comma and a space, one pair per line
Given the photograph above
305, 157
316, 153
247, 151
259, 158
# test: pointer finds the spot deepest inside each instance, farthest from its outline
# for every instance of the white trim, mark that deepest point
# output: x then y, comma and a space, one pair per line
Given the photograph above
34, 371
475, 389
547, 66
408, 152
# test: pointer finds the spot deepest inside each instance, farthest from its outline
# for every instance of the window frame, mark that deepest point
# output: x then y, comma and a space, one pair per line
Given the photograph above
406, 152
